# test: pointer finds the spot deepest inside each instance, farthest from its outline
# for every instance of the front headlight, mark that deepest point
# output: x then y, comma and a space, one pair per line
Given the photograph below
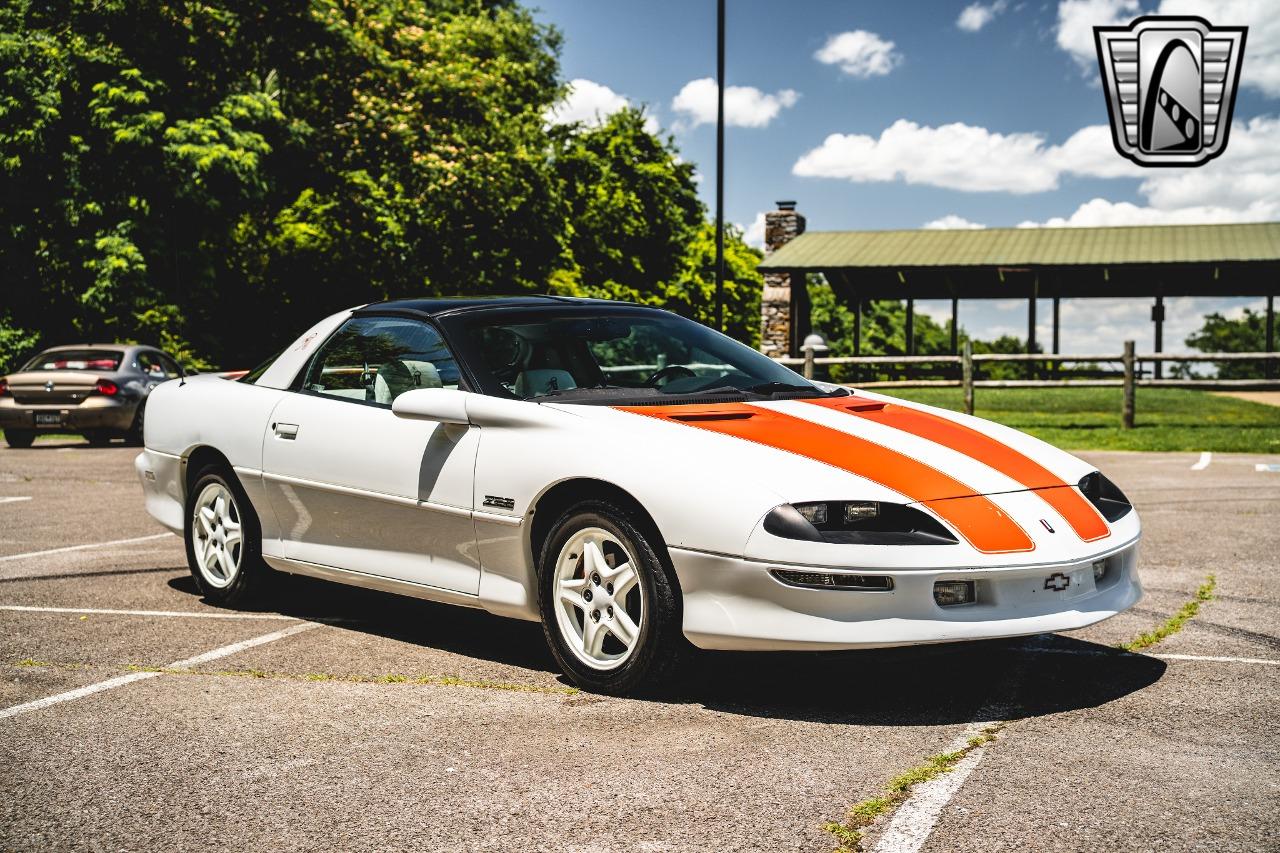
856, 523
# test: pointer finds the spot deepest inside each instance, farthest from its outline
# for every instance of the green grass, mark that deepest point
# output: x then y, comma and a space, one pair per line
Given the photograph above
61, 436
1174, 623
848, 833
1167, 419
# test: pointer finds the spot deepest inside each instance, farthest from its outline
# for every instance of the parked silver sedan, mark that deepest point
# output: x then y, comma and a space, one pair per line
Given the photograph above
98, 390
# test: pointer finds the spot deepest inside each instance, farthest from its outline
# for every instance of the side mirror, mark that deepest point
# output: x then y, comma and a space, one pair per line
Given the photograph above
442, 405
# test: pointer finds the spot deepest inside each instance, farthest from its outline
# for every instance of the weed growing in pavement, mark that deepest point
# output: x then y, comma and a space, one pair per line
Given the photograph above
41, 664
849, 832
1174, 623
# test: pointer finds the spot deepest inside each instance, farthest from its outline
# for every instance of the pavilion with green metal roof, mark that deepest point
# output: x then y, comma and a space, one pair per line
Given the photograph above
1150, 262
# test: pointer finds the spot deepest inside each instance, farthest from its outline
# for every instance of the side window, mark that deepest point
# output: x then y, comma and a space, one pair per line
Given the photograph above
150, 364
376, 359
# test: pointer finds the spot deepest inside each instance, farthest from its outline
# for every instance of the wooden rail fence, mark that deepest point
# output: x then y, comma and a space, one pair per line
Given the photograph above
1129, 361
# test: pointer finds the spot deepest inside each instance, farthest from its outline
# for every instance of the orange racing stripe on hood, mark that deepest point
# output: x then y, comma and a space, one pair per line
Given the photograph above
1068, 502
983, 524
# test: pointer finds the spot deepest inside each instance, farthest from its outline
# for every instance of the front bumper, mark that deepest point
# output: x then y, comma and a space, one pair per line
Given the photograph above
732, 603
95, 412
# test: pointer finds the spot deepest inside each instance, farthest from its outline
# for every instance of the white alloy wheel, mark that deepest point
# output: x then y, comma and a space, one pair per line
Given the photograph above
599, 606
216, 535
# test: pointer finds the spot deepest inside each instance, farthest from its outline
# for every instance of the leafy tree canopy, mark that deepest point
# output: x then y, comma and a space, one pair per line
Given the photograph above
213, 177
1247, 333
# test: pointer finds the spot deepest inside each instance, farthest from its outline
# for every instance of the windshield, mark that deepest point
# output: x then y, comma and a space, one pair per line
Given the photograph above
80, 359
603, 355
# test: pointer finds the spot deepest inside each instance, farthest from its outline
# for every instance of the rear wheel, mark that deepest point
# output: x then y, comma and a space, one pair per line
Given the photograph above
610, 610
223, 538
98, 437
19, 437
134, 435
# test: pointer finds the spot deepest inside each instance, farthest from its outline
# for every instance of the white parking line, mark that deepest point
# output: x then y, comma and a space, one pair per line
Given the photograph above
1266, 467
13, 500
1217, 659
104, 611
915, 820
1205, 458
120, 681
65, 550
1102, 651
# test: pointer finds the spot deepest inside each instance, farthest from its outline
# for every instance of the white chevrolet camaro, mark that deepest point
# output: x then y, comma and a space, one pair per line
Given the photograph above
631, 479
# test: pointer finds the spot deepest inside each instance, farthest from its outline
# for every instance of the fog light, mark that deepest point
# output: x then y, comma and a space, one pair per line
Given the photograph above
1099, 569
813, 513
860, 510
951, 593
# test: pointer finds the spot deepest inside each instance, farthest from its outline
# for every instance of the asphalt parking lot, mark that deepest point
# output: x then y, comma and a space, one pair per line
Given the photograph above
343, 719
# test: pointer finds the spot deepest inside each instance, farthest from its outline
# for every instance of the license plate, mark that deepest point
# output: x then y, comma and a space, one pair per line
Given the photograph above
48, 419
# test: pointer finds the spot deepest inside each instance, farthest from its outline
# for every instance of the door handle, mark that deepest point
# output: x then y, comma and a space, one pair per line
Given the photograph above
285, 431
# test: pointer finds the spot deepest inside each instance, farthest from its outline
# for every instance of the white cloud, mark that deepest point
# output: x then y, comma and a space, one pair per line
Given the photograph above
1077, 18
1101, 212
744, 106
753, 234
952, 222
859, 54
591, 103
953, 156
975, 16
1243, 185
588, 102
1261, 69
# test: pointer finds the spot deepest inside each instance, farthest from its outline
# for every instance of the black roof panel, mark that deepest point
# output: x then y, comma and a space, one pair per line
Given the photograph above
438, 306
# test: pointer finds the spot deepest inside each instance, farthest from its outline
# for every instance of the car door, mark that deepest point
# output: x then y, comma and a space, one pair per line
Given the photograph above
353, 486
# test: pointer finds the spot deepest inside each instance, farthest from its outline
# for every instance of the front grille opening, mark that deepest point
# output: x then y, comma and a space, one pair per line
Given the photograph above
827, 580
954, 593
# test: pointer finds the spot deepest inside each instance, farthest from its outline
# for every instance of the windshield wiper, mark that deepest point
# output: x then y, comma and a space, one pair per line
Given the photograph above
781, 388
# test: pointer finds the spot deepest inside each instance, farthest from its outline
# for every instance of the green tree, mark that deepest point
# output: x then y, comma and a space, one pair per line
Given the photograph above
884, 324
1248, 333
637, 230
230, 170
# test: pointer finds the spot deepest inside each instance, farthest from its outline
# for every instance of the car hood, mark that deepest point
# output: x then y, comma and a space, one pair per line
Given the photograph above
886, 449
921, 451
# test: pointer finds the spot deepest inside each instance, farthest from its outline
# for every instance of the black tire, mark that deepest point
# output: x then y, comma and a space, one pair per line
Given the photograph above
250, 574
98, 437
134, 436
660, 644
19, 437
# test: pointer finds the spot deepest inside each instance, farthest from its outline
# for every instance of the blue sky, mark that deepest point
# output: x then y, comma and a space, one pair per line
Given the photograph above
901, 115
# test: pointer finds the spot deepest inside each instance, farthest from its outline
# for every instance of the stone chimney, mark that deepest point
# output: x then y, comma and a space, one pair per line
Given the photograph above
785, 296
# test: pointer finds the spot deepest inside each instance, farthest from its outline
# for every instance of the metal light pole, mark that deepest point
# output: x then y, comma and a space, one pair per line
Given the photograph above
720, 165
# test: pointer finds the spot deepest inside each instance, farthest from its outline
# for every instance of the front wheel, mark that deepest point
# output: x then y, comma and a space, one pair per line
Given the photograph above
610, 610
224, 545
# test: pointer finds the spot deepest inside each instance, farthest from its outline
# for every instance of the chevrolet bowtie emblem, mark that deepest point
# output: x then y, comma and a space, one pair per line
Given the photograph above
1057, 582
1171, 86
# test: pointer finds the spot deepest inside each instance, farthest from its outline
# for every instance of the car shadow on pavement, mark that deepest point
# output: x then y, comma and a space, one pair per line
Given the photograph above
922, 685
918, 685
